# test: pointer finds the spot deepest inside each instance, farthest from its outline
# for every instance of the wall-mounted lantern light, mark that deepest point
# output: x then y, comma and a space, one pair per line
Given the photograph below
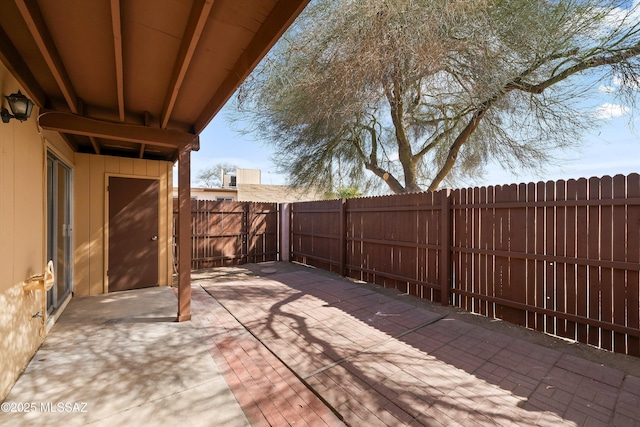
20, 105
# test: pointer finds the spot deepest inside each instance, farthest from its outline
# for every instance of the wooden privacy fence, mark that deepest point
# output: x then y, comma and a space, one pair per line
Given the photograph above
229, 233
559, 257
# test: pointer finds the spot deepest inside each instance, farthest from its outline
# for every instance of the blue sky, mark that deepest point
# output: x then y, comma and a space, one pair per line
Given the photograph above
614, 148
220, 144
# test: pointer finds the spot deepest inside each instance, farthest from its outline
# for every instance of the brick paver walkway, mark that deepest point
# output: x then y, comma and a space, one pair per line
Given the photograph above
372, 359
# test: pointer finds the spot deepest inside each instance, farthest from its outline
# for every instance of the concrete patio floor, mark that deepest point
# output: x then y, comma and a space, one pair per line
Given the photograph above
280, 344
121, 360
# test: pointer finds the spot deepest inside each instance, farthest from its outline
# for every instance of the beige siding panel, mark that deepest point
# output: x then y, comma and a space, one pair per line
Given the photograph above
140, 167
153, 168
112, 164
58, 145
162, 225
82, 201
96, 228
126, 166
28, 211
169, 229
7, 199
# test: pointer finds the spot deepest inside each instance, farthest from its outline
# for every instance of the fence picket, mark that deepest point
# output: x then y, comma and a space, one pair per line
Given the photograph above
619, 285
561, 250
486, 236
606, 251
582, 274
594, 254
541, 219
633, 256
571, 290
477, 242
550, 244
518, 244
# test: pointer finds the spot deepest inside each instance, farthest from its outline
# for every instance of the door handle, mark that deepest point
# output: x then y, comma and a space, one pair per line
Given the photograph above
154, 238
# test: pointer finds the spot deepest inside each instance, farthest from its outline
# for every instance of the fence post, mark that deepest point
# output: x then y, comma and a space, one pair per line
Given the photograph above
343, 237
285, 230
445, 249
245, 233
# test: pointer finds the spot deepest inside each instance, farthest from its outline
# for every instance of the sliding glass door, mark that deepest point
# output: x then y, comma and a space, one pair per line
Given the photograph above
58, 230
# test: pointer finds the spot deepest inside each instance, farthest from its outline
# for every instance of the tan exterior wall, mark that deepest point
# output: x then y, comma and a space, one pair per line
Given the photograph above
248, 176
91, 177
22, 238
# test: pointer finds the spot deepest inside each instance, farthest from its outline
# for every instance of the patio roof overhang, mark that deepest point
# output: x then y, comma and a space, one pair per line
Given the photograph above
154, 70
139, 78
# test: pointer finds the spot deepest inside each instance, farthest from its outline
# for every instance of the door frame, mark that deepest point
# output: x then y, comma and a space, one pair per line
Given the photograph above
105, 250
57, 158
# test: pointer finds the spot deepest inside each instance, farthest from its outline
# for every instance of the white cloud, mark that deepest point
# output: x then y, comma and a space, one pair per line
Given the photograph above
606, 89
394, 156
628, 16
609, 111
634, 83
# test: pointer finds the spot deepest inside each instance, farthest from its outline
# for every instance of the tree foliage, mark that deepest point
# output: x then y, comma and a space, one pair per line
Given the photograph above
211, 177
421, 92
347, 192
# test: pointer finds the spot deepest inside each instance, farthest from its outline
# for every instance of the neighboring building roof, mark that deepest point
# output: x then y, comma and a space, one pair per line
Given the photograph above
276, 193
210, 193
257, 193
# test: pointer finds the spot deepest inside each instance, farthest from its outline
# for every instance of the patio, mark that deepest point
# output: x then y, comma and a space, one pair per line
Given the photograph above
122, 359
299, 346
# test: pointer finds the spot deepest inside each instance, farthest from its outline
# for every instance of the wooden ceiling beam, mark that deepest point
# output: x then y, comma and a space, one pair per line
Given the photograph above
116, 24
94, 144
32, 16
78, 125
195, 26
281, 17
18, 68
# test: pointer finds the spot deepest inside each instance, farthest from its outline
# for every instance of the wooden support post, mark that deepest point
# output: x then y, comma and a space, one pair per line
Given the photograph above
184, 235
445, 246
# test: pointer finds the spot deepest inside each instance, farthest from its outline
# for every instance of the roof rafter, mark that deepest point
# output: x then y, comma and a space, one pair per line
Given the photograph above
78, 125
94, 144
281, 17
116, 25
197, 20
38, 28
18, 68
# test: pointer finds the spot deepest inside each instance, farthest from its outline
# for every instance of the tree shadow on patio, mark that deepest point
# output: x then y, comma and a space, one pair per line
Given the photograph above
381, 360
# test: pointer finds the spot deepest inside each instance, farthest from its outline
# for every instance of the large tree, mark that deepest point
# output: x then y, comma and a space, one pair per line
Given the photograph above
420, 92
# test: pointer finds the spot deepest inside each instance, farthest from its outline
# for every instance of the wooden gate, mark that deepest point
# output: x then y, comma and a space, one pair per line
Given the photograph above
229, 233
